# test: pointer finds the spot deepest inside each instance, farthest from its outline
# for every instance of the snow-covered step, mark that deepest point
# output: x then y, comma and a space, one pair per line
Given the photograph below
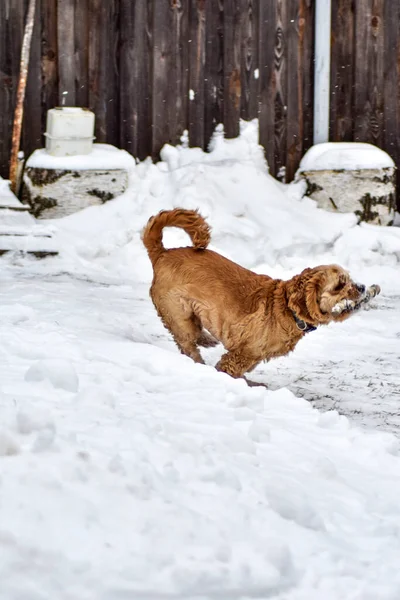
28, 243
5, 204
8, 201
19, 231
33, 230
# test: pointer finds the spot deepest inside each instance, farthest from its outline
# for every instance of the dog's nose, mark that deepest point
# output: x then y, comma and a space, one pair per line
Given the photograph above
360, 287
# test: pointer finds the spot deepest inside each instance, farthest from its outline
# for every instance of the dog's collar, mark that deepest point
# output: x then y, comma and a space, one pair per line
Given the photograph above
302, 325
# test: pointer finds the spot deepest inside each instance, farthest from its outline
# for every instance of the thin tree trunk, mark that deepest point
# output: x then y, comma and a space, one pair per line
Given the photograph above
19, 109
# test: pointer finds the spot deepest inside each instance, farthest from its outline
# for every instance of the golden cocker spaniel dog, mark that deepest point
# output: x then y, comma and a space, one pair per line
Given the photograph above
198, 292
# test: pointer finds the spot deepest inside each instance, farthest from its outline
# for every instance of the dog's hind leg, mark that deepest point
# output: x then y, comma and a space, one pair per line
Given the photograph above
186, 335
183, 324
206, 340
236, 363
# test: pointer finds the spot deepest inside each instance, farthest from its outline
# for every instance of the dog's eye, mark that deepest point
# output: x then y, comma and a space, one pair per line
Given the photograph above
339, 286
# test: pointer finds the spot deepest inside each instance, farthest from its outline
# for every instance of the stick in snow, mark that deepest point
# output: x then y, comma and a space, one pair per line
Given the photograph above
19, 109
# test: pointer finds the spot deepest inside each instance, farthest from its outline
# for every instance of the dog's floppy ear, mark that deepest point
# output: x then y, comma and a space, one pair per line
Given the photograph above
305, 292
297, 296
313, 292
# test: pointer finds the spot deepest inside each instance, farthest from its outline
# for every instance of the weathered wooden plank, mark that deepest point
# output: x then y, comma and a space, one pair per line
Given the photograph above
295, 40
81, 53
391, 89
232, 66
170, 72
97, 65
49, 63
132, 56
361, 99
294, 114
307, 13
368, 99
391, 137
162, 53
299, 20
32, 122
136, 77
197, 53
249, 60
6, 87
273, 85
267, 80
281, 97
111, 16
179, 74
66, 51
8, 44
342, 71
213, 68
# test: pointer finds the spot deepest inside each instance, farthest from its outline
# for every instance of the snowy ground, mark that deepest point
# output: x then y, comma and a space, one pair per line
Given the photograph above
127, 471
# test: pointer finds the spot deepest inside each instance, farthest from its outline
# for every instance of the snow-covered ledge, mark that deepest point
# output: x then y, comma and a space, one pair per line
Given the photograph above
351, 177
56, 186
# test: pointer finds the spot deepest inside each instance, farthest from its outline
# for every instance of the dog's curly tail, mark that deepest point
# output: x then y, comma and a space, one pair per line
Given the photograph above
189, 220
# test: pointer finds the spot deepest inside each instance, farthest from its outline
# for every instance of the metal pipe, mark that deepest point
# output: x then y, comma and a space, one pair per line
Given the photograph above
322, 70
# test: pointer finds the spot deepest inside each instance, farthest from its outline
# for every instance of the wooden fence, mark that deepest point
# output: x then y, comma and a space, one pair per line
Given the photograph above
152, 68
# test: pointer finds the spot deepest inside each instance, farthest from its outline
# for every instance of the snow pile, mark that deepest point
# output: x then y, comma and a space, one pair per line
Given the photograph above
128, 471
162, 478
256, 221
345, 155
102, 157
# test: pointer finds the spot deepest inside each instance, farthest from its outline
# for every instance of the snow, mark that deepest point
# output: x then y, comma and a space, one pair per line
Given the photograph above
345, 155
7, 197
5, 187
102, 157
128, 471
60, 373
18, 228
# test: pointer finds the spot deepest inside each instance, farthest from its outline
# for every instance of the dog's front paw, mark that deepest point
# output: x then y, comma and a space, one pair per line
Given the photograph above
252, 383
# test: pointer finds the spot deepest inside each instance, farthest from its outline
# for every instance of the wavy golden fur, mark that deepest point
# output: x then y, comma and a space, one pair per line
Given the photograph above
198, 292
